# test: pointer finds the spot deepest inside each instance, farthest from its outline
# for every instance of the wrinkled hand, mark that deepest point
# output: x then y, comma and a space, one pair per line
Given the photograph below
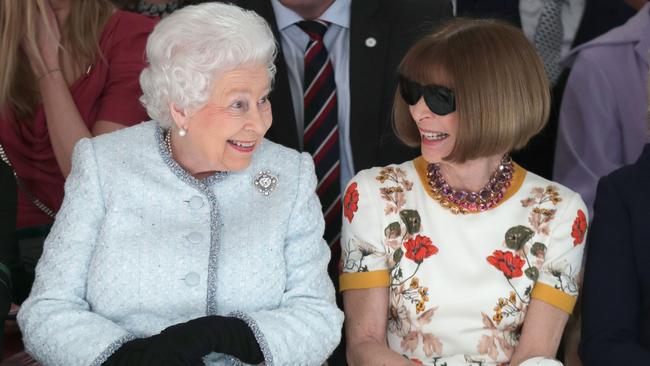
43, 50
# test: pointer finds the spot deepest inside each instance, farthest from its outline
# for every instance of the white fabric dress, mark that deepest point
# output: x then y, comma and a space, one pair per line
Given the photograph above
460, 284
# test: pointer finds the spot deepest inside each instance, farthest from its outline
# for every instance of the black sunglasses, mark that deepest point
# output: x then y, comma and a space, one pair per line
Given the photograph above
439, 99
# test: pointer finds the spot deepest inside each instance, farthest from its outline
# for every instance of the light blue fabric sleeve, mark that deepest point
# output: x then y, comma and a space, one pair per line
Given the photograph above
306, 327
58, 325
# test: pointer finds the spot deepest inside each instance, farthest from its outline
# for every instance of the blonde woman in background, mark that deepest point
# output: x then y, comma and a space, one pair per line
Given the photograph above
68, 70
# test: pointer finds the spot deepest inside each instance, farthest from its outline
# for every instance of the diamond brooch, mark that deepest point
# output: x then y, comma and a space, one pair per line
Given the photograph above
265, 182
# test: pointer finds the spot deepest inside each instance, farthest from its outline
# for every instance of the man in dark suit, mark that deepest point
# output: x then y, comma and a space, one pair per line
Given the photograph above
598, 17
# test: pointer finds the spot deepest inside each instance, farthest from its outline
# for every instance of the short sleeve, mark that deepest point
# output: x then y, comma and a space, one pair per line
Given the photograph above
119, 101
363, 254
559, 280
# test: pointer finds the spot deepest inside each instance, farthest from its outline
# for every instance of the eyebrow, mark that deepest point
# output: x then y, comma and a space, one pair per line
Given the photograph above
245, 90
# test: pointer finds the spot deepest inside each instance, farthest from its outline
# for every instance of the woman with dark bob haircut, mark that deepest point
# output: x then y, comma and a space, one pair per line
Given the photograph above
474, 259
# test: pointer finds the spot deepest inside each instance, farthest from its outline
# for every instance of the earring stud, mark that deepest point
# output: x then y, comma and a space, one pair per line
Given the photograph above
182, 132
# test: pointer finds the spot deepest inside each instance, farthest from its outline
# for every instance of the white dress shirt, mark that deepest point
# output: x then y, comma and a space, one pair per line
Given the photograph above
337, 41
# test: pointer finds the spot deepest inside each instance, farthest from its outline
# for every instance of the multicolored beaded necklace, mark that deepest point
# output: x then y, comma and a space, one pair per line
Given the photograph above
463, 202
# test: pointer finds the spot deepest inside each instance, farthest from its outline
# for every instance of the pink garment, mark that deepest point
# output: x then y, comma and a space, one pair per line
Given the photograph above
108, 91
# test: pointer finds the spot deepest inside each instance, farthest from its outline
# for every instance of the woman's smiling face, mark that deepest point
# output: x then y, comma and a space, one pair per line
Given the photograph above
226, 131
437, 133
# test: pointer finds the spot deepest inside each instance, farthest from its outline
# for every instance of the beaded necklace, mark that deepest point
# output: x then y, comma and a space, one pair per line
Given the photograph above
463, 202
168, 142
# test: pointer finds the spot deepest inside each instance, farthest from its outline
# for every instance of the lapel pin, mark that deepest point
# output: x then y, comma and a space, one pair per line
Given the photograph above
371, 42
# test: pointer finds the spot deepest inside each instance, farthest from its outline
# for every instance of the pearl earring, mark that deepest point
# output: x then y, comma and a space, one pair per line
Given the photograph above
182, 132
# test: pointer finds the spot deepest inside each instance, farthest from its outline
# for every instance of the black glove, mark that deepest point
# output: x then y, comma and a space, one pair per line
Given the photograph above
196, 338
141, 352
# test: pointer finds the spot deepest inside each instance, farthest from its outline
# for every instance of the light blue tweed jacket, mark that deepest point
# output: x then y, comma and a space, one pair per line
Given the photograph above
139, 245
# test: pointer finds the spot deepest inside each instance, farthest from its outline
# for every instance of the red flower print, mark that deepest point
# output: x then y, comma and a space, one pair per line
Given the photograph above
416, 361
579, 228
350, 202
507, 263
419, 249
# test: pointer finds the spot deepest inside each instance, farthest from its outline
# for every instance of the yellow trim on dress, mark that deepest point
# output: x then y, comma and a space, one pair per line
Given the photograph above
518, 178
362, 280
553, 296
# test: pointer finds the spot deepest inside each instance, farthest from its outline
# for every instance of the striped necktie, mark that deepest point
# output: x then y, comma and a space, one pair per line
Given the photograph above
548, 38
321, 136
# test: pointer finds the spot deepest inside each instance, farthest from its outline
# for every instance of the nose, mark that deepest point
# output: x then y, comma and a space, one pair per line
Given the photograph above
259, 119
420, 110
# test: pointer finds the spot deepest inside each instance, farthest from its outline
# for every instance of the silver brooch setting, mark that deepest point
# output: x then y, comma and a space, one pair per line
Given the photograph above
265, 182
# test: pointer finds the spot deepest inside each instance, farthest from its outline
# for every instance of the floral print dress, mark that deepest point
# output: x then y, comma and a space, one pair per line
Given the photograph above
460, 284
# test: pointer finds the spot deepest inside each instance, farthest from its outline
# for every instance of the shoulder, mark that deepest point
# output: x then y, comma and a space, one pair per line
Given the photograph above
126, 25
126, 142
631, 182
414, 13
282, 161
378, 177
556, 196
420, 8
616, 40
283, 158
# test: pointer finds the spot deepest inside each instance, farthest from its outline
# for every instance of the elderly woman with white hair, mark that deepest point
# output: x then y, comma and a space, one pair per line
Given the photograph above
189, 239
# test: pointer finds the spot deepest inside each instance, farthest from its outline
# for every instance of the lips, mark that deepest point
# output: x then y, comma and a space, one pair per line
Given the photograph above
243, 146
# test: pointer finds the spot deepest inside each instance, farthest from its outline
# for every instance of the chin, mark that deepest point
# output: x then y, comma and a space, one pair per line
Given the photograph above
433, 157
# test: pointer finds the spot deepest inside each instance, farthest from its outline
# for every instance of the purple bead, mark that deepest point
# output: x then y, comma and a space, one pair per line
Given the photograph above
485, 194
472, 197
446, 190
460, 195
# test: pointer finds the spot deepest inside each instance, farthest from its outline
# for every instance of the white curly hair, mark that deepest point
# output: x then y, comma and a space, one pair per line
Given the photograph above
190, 47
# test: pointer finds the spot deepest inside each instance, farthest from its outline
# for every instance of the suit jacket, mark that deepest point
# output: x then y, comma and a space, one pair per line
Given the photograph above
603, 119
599, 17
616, 293
140, 245
396, 25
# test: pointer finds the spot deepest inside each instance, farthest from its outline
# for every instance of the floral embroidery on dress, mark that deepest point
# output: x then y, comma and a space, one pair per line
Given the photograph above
351, 201
513, 307
566, 277
540, 217
402, 239
579, 228
352, 258
419, 248
524, 252
394, 195
507, 263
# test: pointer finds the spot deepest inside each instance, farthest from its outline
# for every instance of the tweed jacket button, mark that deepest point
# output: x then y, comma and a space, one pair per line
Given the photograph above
192, 279
196, 202
195, 237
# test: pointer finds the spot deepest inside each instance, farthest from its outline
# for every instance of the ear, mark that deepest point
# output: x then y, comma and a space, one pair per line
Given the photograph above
179, 115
